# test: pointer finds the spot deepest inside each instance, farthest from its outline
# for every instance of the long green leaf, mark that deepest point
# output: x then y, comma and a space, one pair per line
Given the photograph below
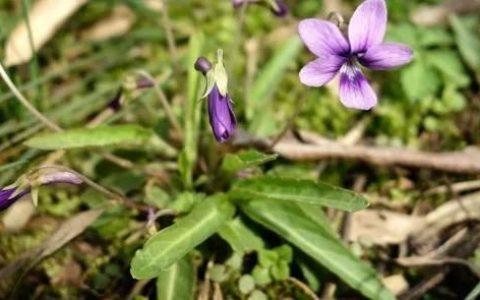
298, 190
169, 245
241, 238
188, 156
178, 281
91, 137
267, 81
290, 222
245, 159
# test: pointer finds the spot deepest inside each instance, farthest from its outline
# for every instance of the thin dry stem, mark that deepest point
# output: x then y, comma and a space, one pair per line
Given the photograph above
26, 103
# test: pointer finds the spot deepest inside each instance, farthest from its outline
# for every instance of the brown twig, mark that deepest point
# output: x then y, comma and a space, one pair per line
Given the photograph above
456, 162
303, 287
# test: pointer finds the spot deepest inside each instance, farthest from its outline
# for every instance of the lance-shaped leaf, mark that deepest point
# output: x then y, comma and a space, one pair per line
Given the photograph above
240, 237
178, 281
298, 190
291, 223
90, 137
245, 159
169, 245
112, 135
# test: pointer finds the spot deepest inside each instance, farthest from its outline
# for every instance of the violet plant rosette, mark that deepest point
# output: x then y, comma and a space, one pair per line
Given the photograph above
363, 46
220, 112
30, 183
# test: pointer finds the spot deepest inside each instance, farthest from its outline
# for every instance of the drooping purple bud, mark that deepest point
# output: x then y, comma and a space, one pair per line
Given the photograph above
281, 10
11, 194
8, 196
60, 177
144, 83
203, 65
221, 116
115, 103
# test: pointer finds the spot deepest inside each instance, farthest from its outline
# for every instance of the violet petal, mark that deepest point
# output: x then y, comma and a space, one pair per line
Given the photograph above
355, 91
367, 25
221, 116
321, 70
323, 38
7, 198
60, 177
386, 56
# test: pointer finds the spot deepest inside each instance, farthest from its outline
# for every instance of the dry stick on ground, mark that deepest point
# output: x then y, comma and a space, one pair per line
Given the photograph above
305, 288
457, 162
311, 147
431, 15
462, 250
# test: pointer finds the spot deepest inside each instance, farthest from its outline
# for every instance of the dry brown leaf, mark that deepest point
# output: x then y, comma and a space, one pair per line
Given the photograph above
66, 232
397, 284
117, 23
45, 17
17, 216
381, 227
155, 5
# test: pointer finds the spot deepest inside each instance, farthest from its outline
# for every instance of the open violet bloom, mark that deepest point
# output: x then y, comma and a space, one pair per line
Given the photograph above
364, 46
14, 192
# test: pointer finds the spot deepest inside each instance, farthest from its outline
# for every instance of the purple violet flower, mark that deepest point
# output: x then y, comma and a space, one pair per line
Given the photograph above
220, 112
221, 116
12, 193
364, 46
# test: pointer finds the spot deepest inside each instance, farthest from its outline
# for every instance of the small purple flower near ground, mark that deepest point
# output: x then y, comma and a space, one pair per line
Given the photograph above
220, 112
12, 193
221, 116
337, 54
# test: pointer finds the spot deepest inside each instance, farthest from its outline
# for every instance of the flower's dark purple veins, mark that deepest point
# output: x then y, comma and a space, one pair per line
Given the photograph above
221, 116
203, 65
364, 46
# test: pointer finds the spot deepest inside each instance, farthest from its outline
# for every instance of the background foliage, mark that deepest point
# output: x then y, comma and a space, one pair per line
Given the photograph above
185, 217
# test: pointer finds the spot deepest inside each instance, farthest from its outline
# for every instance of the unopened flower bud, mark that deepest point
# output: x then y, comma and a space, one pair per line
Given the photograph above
203, 65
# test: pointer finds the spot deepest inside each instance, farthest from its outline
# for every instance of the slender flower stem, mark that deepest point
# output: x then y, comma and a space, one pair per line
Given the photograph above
87, 180
26, 103
164, 102
337, 18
